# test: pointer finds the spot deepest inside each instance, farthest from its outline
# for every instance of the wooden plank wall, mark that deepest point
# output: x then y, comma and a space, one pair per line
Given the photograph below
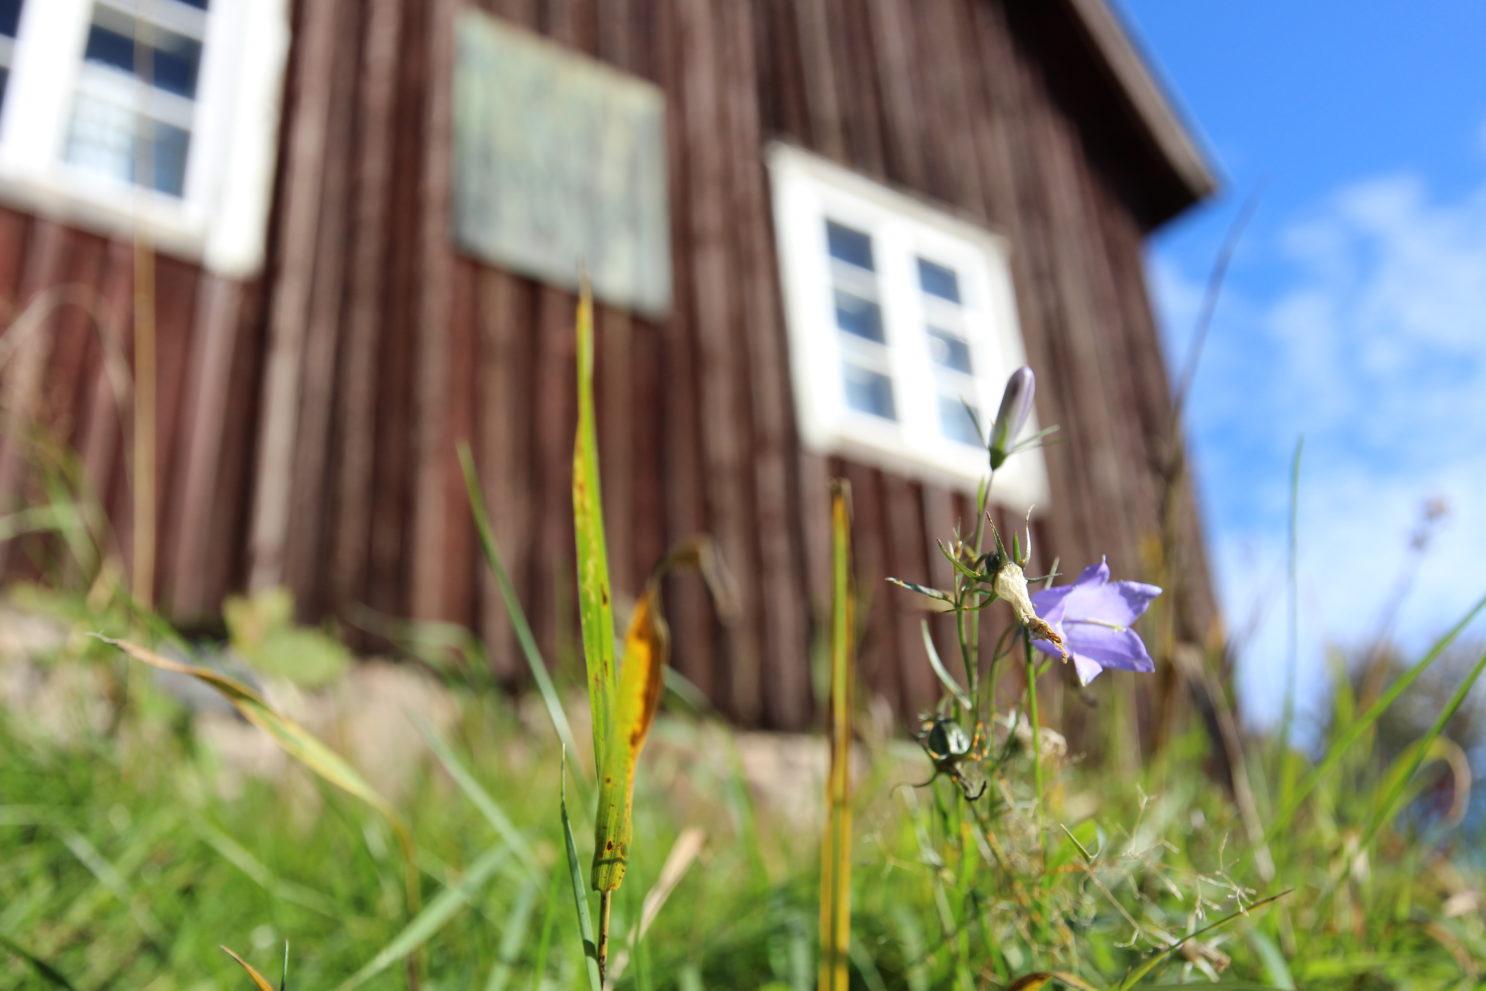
67, 387
309, 420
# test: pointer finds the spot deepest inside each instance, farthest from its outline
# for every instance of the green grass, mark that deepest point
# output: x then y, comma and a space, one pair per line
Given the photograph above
123, 864
131, 852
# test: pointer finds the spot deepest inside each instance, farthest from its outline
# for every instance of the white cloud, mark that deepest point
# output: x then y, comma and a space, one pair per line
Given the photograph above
1370, 339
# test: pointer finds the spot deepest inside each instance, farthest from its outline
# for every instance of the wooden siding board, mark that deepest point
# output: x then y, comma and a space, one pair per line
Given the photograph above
504, 437
908, 549
903, 149
551, 562
309, 523
781, 596
225, 563
879, 656
683, 504
74, 334
106, 410
431, 326
716, 329
461, 555
175, 306
305, 138
15, 229
28, 344
794, 44
200, 449
357, 393
389, 590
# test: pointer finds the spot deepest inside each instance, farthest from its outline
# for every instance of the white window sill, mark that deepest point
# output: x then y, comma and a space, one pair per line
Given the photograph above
103, 206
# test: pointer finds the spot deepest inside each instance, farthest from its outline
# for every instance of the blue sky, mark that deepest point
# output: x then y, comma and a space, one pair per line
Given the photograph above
1354, 314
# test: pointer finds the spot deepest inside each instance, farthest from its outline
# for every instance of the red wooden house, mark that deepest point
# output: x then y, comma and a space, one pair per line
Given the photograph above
818, 229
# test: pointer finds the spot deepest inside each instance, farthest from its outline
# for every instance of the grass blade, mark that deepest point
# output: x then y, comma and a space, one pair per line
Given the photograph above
1358, 727
255, 870
1392, 800
647, 644
480, 798
1151, 962
426, 923
595, 610
937, 664
257, 978
517, 922
683, 853
580, 891
46, 971
524, 637
645, 647
298, 743
544, 936
835, 854
112, 880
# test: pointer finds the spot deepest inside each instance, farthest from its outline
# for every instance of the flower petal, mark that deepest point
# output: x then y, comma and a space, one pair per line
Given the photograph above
1115, 604
1049, 602
1094, 573
1048, 648
1109, 648
1086, 669
1137, 596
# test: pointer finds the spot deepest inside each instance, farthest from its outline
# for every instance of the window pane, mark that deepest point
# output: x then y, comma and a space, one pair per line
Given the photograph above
956, 422
121, 143
163, 58
850, 246
937, 280
869, 392
949, 350
858, 316
10, 17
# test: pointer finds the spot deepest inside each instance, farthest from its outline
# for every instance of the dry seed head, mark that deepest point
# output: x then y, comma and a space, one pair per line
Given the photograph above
1010, 584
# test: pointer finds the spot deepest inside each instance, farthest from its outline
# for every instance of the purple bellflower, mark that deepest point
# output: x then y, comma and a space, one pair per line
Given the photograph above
1092, 615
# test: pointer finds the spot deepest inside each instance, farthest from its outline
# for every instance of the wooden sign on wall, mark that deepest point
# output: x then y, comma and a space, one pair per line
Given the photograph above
559, 165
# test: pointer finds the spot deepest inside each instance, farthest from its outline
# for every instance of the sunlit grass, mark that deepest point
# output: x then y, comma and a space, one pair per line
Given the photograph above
132, 852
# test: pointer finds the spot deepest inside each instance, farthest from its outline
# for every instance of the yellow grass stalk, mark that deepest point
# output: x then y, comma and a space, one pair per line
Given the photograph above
835, 851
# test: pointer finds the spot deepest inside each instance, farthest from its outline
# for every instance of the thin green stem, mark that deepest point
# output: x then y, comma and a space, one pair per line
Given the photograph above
968, 632
602, 950
1032, 715
1037, 784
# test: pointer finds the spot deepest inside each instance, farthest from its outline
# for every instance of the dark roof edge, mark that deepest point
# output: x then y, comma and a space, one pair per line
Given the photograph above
1148, 99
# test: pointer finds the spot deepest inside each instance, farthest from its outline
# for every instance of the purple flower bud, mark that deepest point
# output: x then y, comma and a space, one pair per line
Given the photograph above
1016, 407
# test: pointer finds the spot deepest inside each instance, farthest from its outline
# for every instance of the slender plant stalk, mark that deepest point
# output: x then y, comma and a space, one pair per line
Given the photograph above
1037, 783
142, 583
1031, 660
606, 903
835, 854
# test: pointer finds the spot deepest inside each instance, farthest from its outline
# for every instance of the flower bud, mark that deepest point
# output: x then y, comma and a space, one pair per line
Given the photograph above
1016, 407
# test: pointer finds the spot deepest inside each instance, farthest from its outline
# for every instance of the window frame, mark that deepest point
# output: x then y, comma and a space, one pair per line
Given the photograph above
809, 191
221, 217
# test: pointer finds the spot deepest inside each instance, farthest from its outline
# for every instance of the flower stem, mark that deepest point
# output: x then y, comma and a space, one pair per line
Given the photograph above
602, 950
1031, 659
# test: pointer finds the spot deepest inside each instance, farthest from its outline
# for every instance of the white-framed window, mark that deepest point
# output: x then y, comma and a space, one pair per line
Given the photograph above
902, 327
148, 118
